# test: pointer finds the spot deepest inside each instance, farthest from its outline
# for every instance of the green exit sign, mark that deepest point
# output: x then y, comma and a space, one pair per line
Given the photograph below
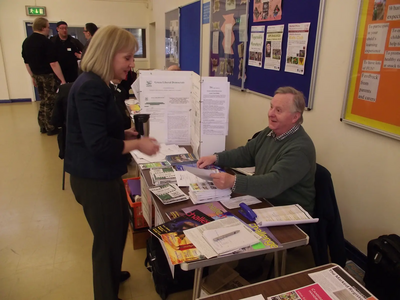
35, 10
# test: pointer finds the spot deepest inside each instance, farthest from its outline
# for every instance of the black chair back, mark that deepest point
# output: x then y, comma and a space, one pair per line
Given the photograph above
326, 236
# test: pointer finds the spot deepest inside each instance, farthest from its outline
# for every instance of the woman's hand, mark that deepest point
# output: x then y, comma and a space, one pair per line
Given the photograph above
206, 161
131, 134
148, 146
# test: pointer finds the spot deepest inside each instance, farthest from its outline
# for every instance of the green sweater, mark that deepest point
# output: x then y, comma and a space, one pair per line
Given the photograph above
285, 169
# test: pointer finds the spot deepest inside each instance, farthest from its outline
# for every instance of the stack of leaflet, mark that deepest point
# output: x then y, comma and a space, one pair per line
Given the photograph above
160, 176
169, 193
207, 192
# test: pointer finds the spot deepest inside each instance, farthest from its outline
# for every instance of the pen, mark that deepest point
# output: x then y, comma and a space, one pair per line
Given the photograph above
225, 235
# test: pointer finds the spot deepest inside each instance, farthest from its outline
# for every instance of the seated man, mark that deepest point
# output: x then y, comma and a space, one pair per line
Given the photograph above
284, 158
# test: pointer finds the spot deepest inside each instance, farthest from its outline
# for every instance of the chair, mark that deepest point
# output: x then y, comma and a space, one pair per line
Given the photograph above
326, 236
59, 119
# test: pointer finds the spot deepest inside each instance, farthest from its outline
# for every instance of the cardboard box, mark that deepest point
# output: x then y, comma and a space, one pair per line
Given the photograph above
223, 279
139, 238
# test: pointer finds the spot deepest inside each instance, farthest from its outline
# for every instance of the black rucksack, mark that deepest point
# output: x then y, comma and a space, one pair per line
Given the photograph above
382, 276
157, 264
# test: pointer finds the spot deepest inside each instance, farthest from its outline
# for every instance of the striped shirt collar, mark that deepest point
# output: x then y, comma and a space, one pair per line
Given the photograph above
284, 135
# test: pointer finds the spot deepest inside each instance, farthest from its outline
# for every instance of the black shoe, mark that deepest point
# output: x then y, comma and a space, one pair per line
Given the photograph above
43, 130
124, 276
53, 132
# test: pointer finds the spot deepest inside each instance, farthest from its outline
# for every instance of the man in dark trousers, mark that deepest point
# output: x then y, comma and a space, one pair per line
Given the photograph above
66, 47
41, 63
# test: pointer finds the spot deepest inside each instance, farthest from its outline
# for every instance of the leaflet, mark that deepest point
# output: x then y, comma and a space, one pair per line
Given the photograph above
256, 46
297, 47
273, 47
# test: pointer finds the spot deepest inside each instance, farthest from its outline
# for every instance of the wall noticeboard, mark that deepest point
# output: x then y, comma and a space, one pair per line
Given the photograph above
172, 38
372, 99
247, 14
228, 26
267, 81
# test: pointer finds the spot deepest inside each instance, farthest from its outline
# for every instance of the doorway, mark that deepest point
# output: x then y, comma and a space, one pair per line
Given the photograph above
152, 36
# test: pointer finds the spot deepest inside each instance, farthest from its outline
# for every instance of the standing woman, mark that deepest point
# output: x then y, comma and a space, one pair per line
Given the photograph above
95, 147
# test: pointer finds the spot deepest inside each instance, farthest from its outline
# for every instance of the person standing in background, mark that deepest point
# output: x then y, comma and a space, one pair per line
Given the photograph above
89, 30
41, 63
66, 47
94, 155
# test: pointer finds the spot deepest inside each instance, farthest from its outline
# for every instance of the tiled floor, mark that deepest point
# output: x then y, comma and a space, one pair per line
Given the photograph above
45, 241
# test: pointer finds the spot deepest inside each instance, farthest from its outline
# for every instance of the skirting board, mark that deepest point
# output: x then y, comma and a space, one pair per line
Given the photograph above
359, 258
16, 100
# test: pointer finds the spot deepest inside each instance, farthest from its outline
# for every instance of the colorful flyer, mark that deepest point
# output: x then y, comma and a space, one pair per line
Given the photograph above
273, 47
267, 10
256, 46
297, 47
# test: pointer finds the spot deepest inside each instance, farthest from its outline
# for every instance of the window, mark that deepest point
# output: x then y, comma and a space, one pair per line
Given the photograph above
140, 35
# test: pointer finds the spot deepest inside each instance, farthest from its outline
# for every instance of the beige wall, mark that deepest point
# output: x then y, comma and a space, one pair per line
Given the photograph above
364, 165
75, 13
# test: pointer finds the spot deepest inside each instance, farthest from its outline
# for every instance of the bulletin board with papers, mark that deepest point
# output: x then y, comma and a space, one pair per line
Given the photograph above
172, 38
228, 26
263, 45
283, 47
372, 97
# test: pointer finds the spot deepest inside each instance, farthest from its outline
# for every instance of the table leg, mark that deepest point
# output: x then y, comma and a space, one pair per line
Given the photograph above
276, 264
283, 266
198, 274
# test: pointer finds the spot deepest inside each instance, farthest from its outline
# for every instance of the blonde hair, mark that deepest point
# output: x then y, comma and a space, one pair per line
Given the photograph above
103, 47
39, 24
299, 102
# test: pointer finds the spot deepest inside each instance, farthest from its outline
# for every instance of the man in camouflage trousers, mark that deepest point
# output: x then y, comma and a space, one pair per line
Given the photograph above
41, 63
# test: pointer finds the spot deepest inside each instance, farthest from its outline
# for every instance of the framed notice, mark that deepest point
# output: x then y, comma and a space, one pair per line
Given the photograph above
372, 99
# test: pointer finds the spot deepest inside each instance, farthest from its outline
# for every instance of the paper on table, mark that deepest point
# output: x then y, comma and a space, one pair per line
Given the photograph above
256, 297
283, 215
246, 171
185, 178
331, 280
241, 239
195, 235
202, 173
234, 202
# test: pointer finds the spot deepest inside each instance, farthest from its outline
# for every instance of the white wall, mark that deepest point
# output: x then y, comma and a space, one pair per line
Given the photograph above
75, 13
364, 165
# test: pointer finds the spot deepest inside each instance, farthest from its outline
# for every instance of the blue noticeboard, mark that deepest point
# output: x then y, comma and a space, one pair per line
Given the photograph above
268, 81
189, 37
206, 13
260, 80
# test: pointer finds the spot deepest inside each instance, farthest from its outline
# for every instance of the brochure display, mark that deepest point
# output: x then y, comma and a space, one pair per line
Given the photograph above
185, 109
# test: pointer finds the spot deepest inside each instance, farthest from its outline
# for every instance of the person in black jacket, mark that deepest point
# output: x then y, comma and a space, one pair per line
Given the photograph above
67, 48
94, 155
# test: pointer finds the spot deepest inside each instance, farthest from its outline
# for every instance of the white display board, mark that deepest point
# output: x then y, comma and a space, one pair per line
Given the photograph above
186, 109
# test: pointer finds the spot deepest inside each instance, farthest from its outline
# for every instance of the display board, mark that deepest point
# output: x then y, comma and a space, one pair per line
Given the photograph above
189, 37
172, 38
228, 25
372, 97
294, 58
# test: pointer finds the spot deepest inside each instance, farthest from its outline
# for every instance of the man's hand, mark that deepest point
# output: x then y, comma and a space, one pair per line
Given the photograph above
131, 134
206, 161
148, 146
223, 180
78, 54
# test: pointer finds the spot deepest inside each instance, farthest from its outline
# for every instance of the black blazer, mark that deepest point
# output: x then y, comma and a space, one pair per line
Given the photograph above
95, 131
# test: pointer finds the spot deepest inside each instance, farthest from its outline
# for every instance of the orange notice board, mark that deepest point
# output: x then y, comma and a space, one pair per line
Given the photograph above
373, 95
